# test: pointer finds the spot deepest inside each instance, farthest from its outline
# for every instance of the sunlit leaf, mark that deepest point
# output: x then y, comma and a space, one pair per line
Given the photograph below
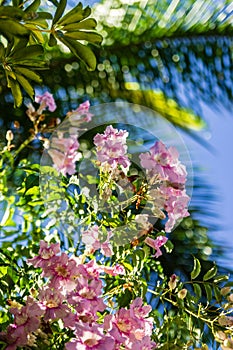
89, 23
81, 51
208, 290
33, 7
26, 85
75, 15
88, 36
196, 269
211, 273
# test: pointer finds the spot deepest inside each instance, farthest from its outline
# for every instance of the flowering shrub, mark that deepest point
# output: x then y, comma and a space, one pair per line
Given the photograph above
102, 292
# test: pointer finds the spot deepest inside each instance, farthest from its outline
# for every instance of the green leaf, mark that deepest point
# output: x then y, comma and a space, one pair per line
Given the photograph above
89, 23
197, 290
12, 274
221, 278
81, 51
26, 85
210, 274
88, 36
52, 40
36, 64
59, 11
217, 293
14, 28
33, 191
33, 7
16, 91
208, 290
76, 17
29, 74
32, 51
169, 246
3, 271
2, 51
77, 10
44, 15
12, 12
196, 268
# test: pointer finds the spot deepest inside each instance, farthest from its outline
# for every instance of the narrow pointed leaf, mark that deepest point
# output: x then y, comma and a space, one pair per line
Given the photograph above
81, 51
75, 16
2, 50
16, 91
210, 274
60, 10
89, 23
88, 36
196, 269
26, 85
29, 74
33, 7
221, 278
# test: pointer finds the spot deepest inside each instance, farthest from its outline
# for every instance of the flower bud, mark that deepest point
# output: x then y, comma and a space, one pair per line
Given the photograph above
173, 282
182, 293
225, 290
9, 135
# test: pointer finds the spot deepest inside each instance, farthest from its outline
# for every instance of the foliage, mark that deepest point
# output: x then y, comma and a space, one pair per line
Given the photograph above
24, 29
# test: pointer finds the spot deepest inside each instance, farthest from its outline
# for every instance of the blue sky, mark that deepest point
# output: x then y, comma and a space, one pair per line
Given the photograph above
217, 169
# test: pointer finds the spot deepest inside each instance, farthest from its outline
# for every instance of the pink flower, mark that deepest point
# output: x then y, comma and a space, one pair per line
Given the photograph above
46, 101
63, 152
80, 114
91, 338
156, 244
63, 272
46, 254
91, 238
114, 270
176, 206
164, 162
27, 320
112, 148
52, 302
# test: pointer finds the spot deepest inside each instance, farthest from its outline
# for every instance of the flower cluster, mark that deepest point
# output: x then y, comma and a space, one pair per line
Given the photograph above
111, 148
73, 294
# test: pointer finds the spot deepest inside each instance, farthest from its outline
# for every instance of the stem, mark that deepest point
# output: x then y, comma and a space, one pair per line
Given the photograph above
24, 144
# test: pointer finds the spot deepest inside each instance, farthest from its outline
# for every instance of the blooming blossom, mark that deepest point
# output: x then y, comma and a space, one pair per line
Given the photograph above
46, 101
46, 254
114, 270
176, 206
111, 148
63, 272
164, 162
156, 244
91, 338
52, 302
63, 152
80, 114
26, 321
91, 238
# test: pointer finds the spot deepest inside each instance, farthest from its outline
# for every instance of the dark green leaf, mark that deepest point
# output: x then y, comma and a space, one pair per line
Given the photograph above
52, 40
208, 290
32, 51
14, 28
59, 11
81, 51
196, 268
88, 36
33, 7
77, 14
89, 23
217, 293
2, 50
11, 12
44, 15
197, 290
210, 274
35, 64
